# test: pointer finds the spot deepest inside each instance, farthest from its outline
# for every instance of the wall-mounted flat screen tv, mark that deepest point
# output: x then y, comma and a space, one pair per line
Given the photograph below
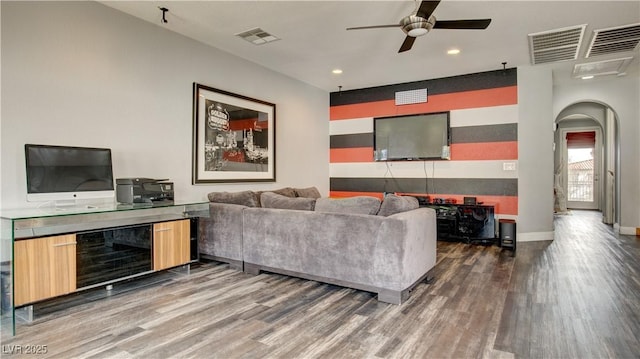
412, 137
68, 173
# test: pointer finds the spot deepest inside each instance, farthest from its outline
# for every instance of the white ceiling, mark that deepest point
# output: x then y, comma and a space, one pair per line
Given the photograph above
313, 40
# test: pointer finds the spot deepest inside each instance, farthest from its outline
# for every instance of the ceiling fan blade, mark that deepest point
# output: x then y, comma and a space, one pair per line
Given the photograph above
372, 27
427, 8
479, 24
407, 44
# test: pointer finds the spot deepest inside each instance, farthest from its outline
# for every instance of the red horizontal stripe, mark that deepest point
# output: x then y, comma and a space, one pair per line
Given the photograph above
502, 204
436, 103
351, 154
345, 194
507, 150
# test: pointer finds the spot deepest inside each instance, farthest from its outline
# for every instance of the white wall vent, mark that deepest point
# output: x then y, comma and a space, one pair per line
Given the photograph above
599, 68
411, 97
556, 45
257, 36
614, 39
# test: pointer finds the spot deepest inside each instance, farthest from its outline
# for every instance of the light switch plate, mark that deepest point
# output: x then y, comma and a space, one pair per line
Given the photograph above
508, 166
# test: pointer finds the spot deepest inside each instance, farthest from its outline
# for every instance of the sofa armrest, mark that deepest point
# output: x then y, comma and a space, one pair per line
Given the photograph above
220, 235
418, 242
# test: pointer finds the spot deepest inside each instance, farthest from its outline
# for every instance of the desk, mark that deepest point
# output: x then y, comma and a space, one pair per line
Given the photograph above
55, 230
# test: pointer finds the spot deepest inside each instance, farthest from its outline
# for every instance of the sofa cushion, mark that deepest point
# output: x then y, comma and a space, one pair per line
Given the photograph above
392, 204
286, 191
245, 198
357, 205
309, 192
274, 200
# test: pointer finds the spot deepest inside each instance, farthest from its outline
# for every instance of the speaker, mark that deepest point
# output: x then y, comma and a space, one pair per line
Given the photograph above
470, 200
194, 255
508, 234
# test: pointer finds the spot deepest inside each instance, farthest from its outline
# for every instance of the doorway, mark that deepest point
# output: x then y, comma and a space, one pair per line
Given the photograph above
582, 187
586, 160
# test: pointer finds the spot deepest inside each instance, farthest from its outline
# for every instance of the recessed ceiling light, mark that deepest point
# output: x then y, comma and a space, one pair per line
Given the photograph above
337, 71
587, 77
453, 52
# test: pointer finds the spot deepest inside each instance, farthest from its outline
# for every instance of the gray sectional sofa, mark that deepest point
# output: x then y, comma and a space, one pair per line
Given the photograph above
385, 247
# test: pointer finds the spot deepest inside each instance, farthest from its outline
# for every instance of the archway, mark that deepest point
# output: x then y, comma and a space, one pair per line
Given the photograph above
590, 126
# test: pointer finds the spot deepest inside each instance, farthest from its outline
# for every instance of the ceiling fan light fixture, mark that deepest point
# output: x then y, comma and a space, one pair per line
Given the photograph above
415, 26
417, 32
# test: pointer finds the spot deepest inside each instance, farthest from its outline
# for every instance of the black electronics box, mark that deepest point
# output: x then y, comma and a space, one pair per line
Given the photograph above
143, 190
470, 200
423, 200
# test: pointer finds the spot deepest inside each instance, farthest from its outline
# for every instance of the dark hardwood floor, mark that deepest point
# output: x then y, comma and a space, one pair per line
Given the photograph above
575, 297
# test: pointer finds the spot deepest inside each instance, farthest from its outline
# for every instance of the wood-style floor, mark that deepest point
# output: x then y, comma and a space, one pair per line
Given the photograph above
575, 297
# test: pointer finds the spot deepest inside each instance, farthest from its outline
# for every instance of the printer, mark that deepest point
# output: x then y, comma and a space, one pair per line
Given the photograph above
144, 190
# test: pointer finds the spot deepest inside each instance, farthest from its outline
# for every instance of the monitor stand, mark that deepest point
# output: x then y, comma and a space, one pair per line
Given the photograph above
76, 204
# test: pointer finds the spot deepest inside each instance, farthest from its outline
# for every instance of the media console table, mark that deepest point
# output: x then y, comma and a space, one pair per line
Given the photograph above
49, 252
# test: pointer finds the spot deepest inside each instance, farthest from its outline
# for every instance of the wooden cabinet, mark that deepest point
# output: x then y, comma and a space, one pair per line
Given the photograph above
171, 244
107, 244
44, 268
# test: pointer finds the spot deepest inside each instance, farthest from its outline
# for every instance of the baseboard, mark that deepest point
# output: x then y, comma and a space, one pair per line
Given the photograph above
627, 231
535, 236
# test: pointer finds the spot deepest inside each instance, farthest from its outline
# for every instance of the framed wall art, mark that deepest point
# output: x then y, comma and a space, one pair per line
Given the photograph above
233, 137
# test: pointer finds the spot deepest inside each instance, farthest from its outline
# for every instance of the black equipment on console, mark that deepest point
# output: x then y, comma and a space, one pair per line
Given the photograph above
143, 190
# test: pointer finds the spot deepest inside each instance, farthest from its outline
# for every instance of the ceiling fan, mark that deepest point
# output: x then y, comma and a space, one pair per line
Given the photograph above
422, 21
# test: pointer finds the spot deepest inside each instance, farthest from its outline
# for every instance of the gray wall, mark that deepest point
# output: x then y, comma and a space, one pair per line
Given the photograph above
535, 154
87, 75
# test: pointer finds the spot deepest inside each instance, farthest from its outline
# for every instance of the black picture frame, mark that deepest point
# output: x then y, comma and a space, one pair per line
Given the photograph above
233, 137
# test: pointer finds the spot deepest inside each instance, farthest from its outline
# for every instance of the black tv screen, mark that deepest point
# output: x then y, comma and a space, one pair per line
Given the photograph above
60, 172
412, 137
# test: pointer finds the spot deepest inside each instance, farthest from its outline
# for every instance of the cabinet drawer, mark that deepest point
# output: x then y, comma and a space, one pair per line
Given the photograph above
44, 268
171, 244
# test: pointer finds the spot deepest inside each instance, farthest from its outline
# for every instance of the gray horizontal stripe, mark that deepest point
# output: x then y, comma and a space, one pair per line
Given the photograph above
446, 85
485, 133
460, 186
352, 140
466, 134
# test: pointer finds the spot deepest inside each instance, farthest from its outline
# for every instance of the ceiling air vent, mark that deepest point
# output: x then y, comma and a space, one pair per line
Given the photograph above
556, 45
614, 39
599, 68
257, 36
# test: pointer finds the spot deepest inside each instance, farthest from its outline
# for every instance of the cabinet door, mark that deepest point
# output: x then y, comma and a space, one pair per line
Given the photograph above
44, 268
170, 244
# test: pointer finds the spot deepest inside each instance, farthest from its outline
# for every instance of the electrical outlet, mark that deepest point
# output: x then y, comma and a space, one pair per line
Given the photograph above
508, 166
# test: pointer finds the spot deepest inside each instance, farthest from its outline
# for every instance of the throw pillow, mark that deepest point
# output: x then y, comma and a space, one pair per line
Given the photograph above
310, 192
392, 204
245, 198
274, 200
286, 191
357, 204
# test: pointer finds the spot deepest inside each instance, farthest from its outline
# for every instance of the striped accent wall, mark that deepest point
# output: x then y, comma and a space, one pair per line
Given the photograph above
484, 136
